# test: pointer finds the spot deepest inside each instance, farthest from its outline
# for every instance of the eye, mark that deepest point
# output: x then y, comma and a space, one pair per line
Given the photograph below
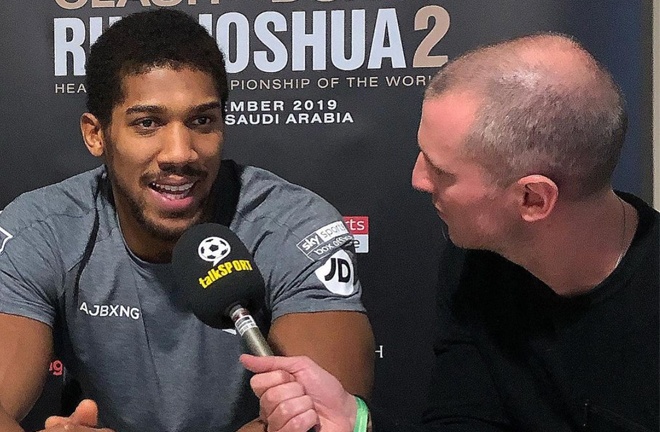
201, 121
436, 170
439, 171
146, 123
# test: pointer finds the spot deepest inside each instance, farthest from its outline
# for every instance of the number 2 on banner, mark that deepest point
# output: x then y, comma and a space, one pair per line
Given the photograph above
422, 54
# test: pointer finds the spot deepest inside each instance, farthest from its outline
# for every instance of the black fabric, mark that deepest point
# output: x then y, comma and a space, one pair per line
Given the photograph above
511, 355
226, 188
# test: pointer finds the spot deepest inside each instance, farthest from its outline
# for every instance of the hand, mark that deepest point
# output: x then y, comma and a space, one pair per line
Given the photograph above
84, 418
295, 395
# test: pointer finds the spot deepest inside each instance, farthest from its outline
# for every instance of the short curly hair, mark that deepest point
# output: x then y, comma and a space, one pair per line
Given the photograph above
142, 41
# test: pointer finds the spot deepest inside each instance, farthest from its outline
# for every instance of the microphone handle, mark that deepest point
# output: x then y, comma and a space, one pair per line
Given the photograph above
247, 328
249, 331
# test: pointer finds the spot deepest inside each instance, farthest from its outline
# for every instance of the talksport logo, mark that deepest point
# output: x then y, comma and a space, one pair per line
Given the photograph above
213, 249
223, 270
358, 226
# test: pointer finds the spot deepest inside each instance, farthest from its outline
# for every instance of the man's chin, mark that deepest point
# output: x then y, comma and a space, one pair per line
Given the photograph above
461, 240
170, 229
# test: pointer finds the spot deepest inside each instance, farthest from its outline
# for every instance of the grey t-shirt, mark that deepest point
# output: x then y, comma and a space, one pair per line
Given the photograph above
122, 327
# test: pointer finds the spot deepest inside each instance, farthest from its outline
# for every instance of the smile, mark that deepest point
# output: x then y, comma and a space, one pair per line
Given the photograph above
173, 192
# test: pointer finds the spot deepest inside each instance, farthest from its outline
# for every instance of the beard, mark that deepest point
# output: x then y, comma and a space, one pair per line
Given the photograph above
155, 229
137, 207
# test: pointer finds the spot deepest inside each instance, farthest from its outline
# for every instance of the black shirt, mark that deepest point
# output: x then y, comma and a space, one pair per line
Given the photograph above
511, 355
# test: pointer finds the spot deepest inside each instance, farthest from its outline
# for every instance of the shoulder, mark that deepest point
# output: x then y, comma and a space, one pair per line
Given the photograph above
72, 197
643, 254
55, 216
291, 231
266, 188
647, 237
274, 203
649, 218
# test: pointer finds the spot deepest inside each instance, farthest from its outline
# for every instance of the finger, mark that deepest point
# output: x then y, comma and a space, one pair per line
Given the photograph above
285, 415
271, 363
264, 381
86, 413
275, 396
53, 421
303, 422
67, 426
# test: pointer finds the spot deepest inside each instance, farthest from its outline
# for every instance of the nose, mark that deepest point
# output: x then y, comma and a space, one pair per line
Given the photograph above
177, 146
420, 178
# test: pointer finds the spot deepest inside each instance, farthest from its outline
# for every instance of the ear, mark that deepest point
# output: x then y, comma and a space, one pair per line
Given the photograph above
92, 134
538, 197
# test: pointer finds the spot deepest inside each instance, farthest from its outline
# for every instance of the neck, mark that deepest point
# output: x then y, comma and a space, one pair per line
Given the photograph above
144, 245
580, 244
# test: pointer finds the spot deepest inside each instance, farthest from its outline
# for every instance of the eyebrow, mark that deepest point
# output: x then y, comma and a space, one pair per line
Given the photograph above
206, 107
433, 165
135, 109
426, 157
156, 109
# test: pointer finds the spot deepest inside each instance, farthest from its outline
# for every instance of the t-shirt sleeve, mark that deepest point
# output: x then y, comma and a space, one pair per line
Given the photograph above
312, 269
29, 272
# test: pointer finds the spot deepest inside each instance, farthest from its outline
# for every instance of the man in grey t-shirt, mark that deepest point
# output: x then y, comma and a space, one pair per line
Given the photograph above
84, 264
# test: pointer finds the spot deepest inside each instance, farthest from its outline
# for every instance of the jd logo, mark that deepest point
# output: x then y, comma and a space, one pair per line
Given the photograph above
336, 273
341, 268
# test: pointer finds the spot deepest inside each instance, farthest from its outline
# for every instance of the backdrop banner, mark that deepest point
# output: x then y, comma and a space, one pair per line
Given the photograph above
327, 94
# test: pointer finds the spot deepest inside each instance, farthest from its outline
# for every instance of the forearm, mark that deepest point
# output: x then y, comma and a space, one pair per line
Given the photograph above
26, 352
340, 342
7, 423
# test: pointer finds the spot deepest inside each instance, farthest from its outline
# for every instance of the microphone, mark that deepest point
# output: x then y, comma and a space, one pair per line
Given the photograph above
221, 281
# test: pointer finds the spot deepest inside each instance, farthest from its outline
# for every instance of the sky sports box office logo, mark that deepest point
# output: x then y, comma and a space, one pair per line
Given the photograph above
359, 227
326, 239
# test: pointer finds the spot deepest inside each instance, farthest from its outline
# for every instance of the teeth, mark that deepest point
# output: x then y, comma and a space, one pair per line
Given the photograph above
171, 188
172, 191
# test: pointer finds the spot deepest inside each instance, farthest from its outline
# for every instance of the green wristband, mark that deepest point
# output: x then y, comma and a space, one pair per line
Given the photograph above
362, 416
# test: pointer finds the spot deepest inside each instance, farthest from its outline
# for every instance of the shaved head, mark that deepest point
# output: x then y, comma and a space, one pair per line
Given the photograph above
547, 107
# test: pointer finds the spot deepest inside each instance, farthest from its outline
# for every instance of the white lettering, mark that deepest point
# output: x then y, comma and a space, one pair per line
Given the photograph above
357, 36
124, 311
278, 49
315, 40
241, 55
387, 23
64, 46
110, 311
252, 119
314, 37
